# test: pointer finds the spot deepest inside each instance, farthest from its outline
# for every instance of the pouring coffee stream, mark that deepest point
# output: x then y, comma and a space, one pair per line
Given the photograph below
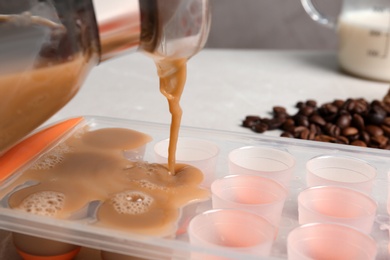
172, 80
55, 44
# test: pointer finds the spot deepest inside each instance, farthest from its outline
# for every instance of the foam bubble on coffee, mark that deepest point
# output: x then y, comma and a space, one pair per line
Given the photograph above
53, 158
44, 203
149, 185
131, 202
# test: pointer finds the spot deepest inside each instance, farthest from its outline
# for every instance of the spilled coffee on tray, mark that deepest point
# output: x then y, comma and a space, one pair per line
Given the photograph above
134, 195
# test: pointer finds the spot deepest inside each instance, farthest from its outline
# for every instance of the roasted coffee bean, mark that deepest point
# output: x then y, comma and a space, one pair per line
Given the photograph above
299, 129
376, 115
386, 130
250, 121
325, 138
252, 118
273, 124
317, 119
354, 137
359, 143
377, 103
358, 121
380, 141
349, 105
331, 129
365, 137
283, 117
335, 130
288, 125
360, 106
279, 110
314, 129
289, 121
306, 111
350, 131
301, 120
386, 121
338, 103
328, 111
299, 105
311, 103
344, 121
289, 128
312, 135
305, 134
280, 113
279, 121
374, 130
342, 139
260, 128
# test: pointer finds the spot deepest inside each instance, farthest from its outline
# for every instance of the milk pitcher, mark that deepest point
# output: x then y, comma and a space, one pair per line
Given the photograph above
47, 48
363, 29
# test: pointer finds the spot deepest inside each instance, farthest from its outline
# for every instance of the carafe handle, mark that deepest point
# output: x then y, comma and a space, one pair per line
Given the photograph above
317, 16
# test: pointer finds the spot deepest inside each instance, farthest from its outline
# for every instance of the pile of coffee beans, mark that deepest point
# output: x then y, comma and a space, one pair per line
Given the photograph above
353, 122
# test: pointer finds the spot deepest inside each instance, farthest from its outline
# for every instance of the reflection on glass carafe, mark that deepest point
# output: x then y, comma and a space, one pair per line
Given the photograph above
363, 28
48, 47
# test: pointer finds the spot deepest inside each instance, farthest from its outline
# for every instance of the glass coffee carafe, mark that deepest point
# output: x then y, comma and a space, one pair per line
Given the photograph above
48, 47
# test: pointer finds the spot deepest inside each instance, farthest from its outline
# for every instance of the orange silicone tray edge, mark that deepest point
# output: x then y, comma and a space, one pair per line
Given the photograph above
31, 146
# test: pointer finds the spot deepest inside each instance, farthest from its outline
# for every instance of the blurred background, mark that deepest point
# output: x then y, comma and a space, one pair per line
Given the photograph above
270, 24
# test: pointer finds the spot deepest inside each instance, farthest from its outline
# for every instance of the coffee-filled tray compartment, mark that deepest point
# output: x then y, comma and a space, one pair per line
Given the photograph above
288, 174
